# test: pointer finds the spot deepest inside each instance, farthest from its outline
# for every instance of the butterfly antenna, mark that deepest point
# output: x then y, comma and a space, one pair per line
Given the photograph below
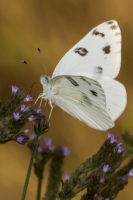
32, 86
39, 50
32, 67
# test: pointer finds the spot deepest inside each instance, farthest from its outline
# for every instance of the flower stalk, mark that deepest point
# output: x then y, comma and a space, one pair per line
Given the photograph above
29, 171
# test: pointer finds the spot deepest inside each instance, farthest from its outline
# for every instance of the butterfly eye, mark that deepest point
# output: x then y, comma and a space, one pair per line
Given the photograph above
44, 79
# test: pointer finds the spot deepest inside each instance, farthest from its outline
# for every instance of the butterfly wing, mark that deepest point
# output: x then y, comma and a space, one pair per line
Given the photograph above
96, 56
116, 97
83, 98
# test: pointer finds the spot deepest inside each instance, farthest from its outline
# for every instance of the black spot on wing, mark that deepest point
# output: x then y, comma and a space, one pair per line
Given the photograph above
106, 49
96, 32
110, 22
113, 27
72, 81
86, 100
83, 79
99, 70
117, 33
81, 51
94, 93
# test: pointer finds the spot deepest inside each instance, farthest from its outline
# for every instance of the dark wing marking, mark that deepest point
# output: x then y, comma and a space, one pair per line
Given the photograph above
72, 81
94, 93
106, 49
81, 51
96, 32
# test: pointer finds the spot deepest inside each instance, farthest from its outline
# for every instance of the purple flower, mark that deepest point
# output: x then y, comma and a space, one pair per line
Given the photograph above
26, 131
14, 89
67, 176
112, 138
39, 110
20, 139
28, 98
130, 173
31, 136
48, 141
106, 168
24, 108
102, 180
66, 151
51, 147
107, 198
31, 118
120, 148
16, 116
40, 137
39, 149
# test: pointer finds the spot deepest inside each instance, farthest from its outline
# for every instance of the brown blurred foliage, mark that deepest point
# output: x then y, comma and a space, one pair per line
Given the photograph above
55, 26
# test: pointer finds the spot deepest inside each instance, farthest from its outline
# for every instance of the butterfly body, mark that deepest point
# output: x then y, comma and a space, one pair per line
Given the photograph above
83, 82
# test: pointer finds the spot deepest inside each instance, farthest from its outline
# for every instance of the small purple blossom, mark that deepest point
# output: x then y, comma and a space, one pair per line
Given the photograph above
40, 137
26, 131
130, 173
31, 136
48, 141
106, 168
39, 149
14, 89
66, 151
20, 139
31, 118
102, 180
107, 198
24, 108
67, 176
28, 98
39, 110
120, 148
16, 116
51, 147
112, 138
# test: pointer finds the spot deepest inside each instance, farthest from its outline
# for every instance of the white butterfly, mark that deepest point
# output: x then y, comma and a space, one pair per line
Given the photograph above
83, 82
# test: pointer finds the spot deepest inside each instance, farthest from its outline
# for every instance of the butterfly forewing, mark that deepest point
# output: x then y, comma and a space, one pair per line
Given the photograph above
97, 55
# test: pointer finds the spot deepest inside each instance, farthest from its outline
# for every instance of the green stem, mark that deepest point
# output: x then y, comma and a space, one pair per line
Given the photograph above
39, 188
28, 173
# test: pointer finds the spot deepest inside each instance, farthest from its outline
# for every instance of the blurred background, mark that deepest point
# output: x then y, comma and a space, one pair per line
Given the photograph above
55, 26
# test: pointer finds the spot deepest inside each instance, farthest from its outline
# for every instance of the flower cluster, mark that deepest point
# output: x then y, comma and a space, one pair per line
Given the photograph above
98, 174
43, 155
14, 114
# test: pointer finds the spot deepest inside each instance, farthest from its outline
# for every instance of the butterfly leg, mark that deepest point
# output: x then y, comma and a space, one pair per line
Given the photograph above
41, 102
52, 106
51, 112
40, 96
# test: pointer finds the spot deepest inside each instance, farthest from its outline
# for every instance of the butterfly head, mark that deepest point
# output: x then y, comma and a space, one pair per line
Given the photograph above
44, 79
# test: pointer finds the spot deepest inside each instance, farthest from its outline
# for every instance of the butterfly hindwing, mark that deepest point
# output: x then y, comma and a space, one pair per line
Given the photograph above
116, 97
97, 55
83, 98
